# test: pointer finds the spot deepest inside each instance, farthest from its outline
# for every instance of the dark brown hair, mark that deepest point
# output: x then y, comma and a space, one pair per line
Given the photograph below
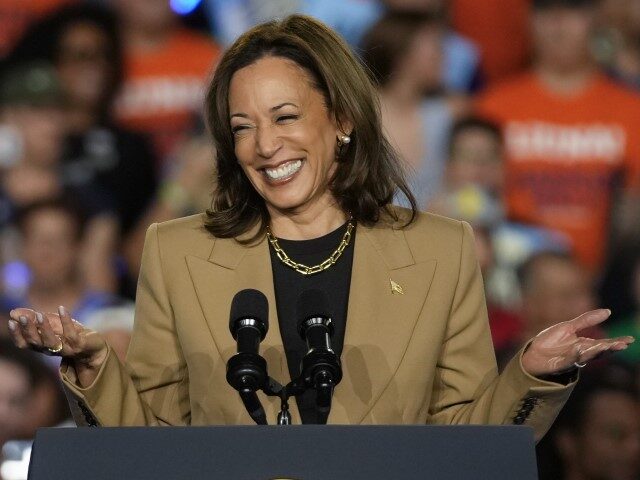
387, 41
369, 172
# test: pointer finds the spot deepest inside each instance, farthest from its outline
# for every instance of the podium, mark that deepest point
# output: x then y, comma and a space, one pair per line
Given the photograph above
304, 452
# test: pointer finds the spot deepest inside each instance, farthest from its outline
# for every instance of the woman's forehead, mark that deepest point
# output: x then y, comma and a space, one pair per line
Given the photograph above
269, 82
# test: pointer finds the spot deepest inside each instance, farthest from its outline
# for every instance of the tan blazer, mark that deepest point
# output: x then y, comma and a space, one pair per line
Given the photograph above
421, 356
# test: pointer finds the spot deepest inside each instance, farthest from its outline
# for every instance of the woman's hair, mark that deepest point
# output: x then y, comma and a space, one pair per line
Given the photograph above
42, 41
369, 172
387, 41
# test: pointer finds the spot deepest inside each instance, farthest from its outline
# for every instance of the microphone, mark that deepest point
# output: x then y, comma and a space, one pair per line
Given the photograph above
320, 369
247, 370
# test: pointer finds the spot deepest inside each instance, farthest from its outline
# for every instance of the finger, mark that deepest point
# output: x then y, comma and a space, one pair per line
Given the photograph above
595, 351
55, 323
16, 312
16, 335
589, 319
49, 337
70, 332
29, 330
625, 340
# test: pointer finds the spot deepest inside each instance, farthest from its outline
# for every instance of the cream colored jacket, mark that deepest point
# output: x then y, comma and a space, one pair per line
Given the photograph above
423, 356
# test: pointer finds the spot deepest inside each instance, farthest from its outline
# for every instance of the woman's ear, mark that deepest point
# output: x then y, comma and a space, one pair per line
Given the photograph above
344, 127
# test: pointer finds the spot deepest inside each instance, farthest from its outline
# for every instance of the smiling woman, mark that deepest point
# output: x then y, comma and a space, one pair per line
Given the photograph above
302, 211
292, 91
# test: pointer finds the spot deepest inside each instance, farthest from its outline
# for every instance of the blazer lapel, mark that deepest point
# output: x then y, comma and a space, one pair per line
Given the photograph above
232, 267
387, 293
379, 326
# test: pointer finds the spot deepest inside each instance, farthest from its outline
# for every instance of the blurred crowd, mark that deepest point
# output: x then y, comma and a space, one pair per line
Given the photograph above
521, 117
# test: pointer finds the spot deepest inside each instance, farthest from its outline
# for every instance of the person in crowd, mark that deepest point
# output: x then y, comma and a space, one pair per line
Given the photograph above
32, 134
166, 68
352, 19
404, 53
597, 435
16, 383
30, 394
107, 167
17, 15
617, 44
111, 171
31, 141
571, 136
629, 324
472, 192
305, 184
475, 157
33, 126
52, 242
500, 31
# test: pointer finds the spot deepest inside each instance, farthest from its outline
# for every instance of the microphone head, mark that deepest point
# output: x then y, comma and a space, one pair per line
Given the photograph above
312, 303
249, 304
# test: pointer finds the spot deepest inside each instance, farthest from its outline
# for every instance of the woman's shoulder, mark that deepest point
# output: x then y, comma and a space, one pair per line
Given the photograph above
185, 235
429, 235
424, 223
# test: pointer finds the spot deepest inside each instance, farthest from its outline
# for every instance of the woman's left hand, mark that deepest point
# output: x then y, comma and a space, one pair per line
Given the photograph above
560, 348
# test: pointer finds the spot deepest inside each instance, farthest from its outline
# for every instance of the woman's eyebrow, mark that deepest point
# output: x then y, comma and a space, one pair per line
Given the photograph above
272, 109
278, 107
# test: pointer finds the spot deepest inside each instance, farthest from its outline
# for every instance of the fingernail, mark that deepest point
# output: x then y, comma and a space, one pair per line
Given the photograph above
608, 312
61, 310
12, 325
23, 320
40, 318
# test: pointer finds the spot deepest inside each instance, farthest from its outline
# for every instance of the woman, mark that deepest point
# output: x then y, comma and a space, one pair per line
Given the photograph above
302, 163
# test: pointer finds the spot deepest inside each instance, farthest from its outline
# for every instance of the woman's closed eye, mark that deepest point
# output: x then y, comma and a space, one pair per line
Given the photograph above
238, 128
284, 119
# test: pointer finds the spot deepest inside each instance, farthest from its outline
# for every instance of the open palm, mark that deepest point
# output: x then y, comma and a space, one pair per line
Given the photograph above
560, 347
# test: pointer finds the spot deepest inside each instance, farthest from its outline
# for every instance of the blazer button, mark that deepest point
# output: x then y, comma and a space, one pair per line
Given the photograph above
519, 419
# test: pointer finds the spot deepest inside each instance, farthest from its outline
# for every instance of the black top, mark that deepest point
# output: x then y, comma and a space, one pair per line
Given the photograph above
289, 284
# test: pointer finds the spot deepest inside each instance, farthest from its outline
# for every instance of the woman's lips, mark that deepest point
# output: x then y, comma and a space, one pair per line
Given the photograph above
283, 172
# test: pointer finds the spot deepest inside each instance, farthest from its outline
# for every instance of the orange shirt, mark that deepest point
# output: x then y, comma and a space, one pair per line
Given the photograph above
566, 155
163, 90
17, 15
500, 28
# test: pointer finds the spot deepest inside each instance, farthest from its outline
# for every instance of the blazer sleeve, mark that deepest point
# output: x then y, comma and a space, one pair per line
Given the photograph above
153, 387
467, 387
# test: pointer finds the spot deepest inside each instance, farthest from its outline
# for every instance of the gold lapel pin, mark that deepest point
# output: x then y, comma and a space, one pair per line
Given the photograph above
396, 289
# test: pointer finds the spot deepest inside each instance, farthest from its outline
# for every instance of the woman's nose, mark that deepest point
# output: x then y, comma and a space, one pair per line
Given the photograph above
267, 142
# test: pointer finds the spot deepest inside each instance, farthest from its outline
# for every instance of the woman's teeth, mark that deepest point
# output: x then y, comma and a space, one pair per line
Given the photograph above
283, 171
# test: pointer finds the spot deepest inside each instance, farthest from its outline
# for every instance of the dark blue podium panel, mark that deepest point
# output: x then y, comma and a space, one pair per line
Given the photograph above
303, 452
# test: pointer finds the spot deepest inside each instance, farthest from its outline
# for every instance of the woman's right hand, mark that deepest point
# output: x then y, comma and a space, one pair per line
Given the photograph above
58, 334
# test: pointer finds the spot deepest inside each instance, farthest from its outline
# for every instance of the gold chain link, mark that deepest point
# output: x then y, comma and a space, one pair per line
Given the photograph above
304, 269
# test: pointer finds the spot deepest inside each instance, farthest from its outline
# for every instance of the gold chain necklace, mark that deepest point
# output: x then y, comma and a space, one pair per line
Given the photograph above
304, 269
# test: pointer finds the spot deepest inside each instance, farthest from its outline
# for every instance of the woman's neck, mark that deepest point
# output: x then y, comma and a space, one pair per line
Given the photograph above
308, 222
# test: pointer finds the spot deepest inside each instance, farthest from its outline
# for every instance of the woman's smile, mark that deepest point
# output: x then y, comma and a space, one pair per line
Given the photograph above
282, 173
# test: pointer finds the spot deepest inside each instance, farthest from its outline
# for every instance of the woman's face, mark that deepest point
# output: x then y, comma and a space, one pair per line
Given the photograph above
285, 137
